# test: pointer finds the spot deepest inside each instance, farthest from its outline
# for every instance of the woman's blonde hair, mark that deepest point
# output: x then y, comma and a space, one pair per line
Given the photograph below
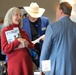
8, 16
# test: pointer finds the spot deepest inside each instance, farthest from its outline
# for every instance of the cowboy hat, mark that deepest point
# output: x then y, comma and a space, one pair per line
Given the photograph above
34, 11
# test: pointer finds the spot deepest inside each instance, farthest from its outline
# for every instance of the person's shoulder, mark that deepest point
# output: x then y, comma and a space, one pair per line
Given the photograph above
23, 30
56, 26
55, 23
26, 18
44, 17
74, 24
5, 28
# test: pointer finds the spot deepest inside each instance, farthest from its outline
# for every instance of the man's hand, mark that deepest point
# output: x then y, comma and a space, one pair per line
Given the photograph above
42, 73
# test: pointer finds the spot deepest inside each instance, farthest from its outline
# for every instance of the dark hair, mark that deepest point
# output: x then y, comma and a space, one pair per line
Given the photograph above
25, 15
66, 8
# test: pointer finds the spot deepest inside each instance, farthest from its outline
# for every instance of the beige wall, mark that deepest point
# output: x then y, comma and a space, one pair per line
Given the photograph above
49, 5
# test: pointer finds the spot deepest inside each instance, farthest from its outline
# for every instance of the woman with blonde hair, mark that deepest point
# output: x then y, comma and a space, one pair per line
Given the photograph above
17, 49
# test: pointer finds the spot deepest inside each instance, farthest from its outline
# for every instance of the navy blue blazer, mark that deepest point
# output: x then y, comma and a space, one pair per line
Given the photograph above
42, 25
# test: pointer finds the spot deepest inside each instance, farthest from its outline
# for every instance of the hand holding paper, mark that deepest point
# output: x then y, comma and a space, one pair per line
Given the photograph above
37, 40
42, 37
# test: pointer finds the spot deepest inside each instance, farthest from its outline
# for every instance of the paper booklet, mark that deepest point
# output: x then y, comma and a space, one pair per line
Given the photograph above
11, 35
46, 65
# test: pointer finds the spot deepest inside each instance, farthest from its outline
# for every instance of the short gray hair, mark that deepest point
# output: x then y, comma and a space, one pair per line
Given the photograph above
8, 16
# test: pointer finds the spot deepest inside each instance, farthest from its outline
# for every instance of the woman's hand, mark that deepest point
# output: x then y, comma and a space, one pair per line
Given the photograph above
24, 42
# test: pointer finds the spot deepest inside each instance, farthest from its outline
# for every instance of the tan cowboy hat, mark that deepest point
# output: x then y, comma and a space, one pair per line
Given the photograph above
34, 11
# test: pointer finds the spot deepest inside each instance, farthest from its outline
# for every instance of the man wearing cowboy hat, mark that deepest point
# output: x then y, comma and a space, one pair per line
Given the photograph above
35, 26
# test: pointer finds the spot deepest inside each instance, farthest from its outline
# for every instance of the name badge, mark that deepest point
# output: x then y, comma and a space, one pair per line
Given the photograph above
44, 28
